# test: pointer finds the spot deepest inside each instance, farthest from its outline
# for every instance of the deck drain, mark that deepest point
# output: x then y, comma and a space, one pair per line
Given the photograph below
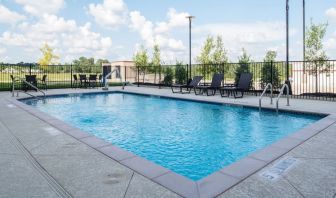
52, 131
278, 169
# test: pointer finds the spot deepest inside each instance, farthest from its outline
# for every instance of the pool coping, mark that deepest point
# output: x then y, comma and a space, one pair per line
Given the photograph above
210, 186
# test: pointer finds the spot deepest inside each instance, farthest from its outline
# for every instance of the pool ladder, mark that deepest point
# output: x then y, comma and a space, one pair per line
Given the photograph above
15, 80
270, 86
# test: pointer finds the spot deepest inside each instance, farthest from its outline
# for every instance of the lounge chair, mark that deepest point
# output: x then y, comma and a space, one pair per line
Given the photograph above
75, 82
216, 83
195, 81
242, 86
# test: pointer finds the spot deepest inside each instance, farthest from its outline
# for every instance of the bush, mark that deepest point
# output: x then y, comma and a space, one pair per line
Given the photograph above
181, 74
168, 79
270, 74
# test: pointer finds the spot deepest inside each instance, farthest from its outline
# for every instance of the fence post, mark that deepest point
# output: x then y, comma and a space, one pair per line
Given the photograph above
138, 74
71, 75
30, 69
125, 72
272, 73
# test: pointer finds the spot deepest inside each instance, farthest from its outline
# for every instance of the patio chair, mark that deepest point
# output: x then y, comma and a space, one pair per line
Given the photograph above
216, 83
43, 81
83, 81
92, 80
32, 80
242, 86
75, 82
195, 81
100, 79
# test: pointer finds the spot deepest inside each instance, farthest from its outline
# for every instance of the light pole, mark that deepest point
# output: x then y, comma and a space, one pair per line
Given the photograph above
304, 34
287, 47
190, 20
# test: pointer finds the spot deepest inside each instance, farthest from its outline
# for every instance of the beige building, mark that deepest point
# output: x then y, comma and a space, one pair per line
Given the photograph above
127, 71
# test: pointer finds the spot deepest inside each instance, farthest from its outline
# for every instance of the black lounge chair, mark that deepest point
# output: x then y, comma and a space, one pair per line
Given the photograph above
242, 86
92, 80
216, 83
195, 81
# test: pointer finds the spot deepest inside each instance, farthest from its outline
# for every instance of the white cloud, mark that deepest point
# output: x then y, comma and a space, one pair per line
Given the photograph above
175, 19
2, 50
41, 7
109, 14
69, 39
256, 37
157, 34
331, 13
9, 17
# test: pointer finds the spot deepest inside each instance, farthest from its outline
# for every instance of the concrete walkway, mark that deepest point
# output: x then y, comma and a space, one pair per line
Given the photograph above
38, 160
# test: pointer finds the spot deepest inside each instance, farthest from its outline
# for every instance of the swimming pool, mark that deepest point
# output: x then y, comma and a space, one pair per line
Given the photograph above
190, 138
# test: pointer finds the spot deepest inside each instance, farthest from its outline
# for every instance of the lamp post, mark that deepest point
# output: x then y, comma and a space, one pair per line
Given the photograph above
190, 20
304, 34
287, 47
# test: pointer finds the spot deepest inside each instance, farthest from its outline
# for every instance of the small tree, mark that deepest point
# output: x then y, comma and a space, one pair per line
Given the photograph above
141, 61
181, 74
156, 60
243, 65
205, 56
48, 56
168, 76
314, 47
270, 71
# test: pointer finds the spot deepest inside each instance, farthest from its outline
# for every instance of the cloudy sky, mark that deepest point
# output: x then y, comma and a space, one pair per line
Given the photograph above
114, 29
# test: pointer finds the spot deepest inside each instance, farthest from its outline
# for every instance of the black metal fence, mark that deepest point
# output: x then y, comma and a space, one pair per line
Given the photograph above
313, 80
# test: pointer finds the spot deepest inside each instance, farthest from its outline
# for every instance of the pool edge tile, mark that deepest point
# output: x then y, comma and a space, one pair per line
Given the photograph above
116, 153
244, 167
216, 184
145, 167
94, 142
178, 184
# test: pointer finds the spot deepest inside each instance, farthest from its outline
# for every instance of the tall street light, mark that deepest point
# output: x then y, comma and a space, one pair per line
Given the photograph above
304, 34
190, 20
287, 47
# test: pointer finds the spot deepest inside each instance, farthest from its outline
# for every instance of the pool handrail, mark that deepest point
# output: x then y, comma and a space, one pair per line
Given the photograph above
269, 85
280, 94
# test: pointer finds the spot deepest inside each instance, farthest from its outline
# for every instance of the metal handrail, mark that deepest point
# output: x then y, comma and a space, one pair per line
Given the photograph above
29, 84
109, 74
269, 85
280, 94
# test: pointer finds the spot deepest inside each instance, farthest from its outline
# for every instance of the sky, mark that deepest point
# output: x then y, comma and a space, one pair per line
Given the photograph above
115, 29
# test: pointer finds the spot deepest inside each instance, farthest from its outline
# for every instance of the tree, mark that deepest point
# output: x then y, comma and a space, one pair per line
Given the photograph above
83, 64
181, 74
314, 48
213, 52
270, 70
156, 60
219, 55
88, 65
48, 56
243, 65
205, 56
141, 61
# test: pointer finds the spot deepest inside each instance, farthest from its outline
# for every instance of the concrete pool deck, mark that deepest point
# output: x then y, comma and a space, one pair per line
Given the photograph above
38, 159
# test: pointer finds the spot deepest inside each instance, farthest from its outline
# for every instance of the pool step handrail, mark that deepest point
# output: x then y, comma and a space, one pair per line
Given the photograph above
280, 94
29, 84
117, 71
268, 86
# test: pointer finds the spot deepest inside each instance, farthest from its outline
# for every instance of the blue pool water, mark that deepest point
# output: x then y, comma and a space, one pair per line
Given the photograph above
191, 138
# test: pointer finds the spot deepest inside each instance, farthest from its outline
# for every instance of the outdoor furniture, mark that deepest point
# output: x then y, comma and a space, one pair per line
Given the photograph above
242, 86
32, 80
75, 81
43, 81
83, 80
216, 83
92, 80
101, 81
195, 81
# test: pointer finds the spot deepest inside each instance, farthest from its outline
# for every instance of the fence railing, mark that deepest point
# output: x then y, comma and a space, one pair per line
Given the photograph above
309, 79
